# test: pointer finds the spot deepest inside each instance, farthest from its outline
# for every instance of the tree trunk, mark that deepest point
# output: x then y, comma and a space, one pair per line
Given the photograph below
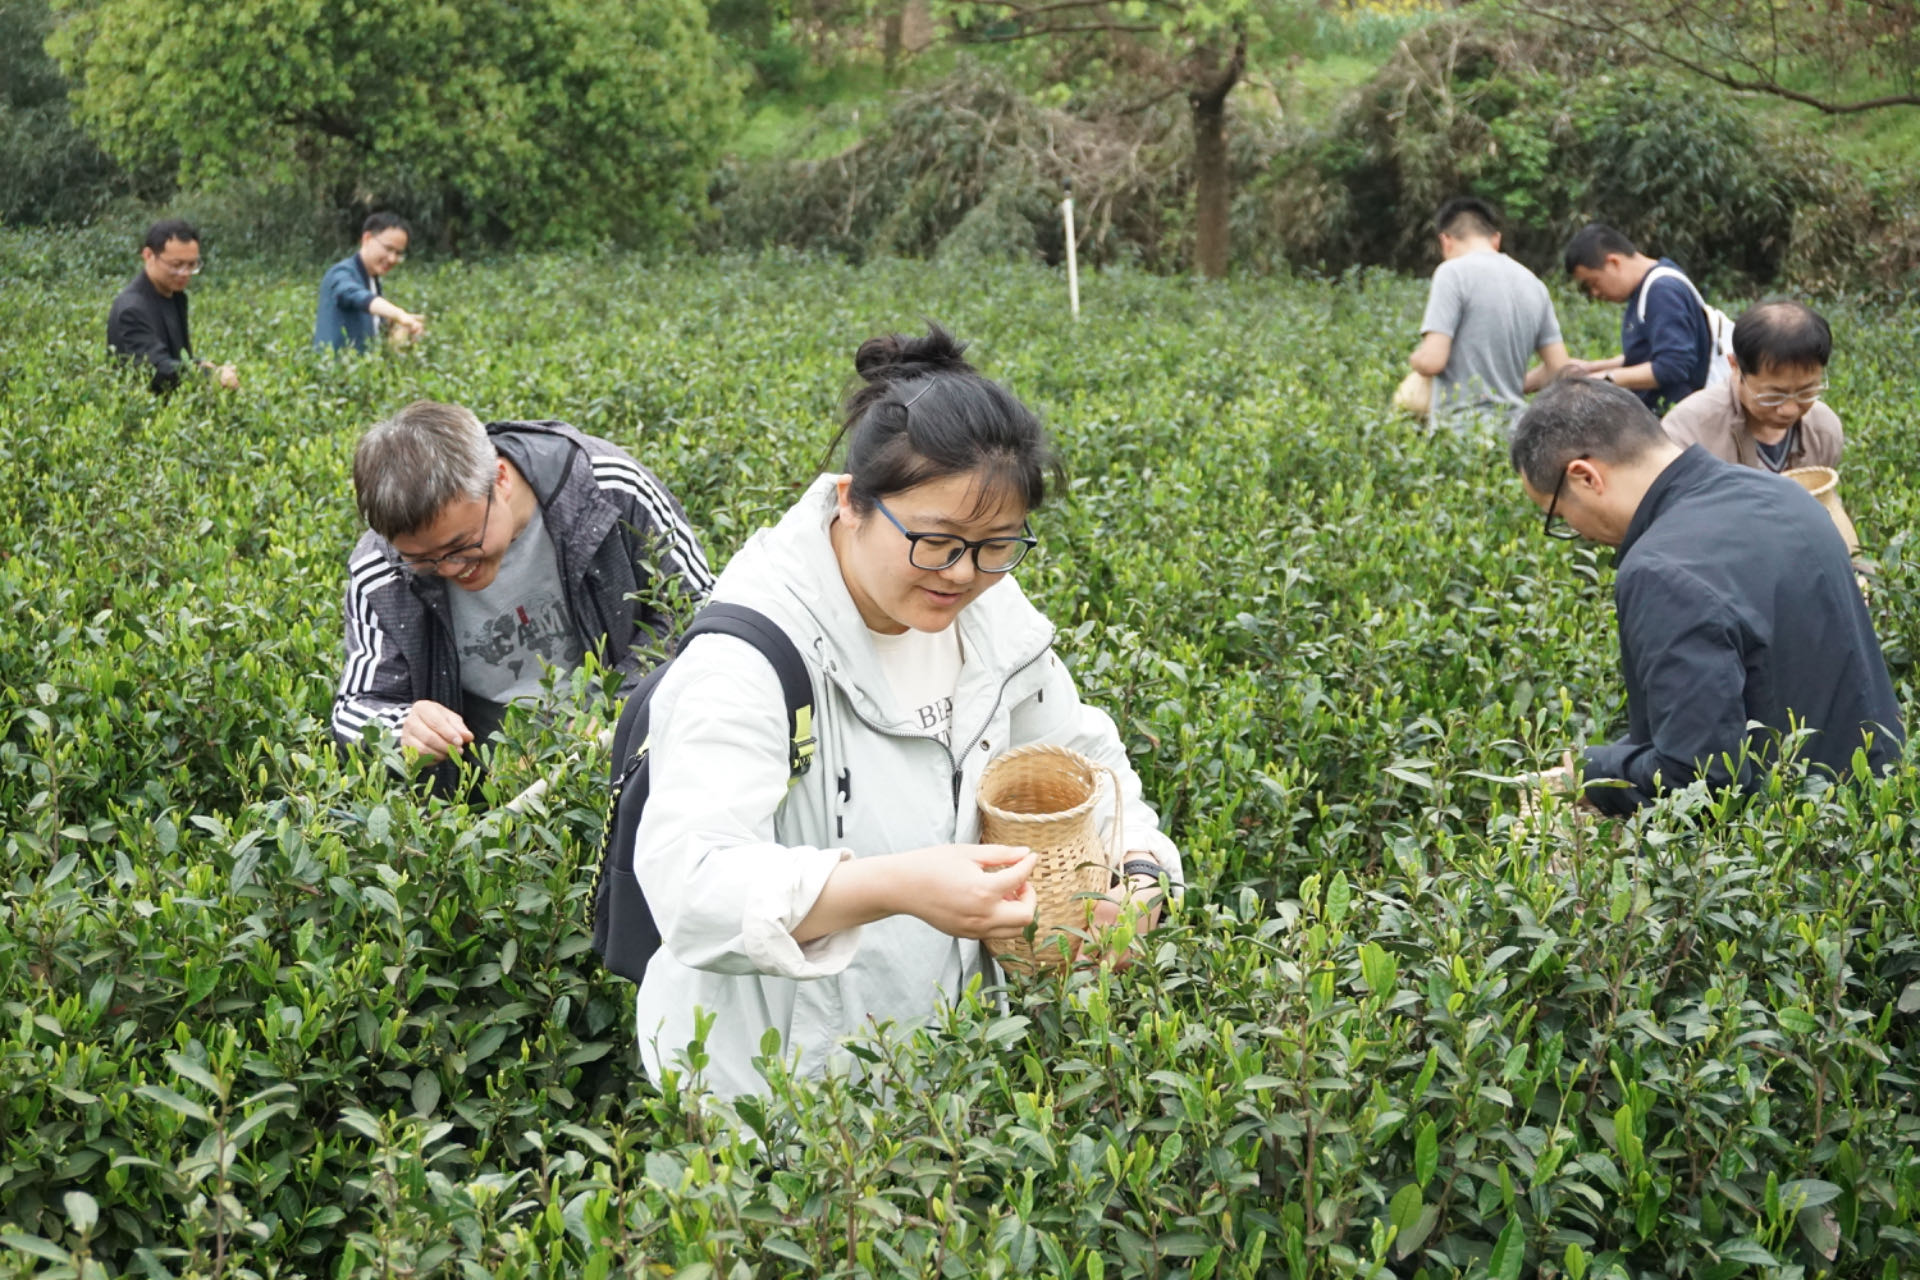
1212, 189
892, 39
1212, 193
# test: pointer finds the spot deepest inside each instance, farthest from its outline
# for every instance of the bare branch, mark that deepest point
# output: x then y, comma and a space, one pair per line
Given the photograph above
1036, 33
1013, 10
1681, 18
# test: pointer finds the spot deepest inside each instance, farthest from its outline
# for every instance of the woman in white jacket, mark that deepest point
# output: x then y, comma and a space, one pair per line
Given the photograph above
854, 898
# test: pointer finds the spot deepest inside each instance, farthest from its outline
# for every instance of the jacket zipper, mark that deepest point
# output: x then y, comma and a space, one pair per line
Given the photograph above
1000, 696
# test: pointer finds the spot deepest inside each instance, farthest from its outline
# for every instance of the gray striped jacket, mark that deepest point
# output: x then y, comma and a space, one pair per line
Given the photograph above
630, 565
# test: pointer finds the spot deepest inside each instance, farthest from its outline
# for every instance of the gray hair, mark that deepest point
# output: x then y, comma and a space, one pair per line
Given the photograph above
408, 468
1581, 417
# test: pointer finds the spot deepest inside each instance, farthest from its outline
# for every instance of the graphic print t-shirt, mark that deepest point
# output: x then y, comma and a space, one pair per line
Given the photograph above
508, 628
922, 668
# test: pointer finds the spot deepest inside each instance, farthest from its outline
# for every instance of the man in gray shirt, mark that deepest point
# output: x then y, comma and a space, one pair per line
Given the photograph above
1487, 317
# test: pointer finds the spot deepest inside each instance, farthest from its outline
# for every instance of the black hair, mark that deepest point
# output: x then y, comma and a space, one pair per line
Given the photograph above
378, 222
1466, 216
170, 229
922, 413
1782, 335
1581, 417
1592, 243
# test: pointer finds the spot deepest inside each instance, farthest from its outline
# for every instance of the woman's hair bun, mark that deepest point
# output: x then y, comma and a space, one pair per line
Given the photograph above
897, 358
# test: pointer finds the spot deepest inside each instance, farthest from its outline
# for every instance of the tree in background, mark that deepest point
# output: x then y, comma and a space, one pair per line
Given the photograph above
1196, 48
547, 121
50, 171
1838, 56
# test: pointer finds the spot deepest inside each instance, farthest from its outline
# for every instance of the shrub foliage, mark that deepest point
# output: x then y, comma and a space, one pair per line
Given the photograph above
267, 1012
1559, 130
559, 121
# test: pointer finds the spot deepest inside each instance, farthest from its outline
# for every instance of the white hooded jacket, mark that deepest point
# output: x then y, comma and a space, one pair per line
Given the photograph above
731, 859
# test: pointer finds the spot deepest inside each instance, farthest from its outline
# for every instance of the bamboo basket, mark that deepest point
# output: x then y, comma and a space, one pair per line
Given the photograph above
1824, 484
1042, 797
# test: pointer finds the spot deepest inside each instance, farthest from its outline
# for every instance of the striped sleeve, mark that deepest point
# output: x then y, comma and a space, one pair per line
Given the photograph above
625, 478
374, 687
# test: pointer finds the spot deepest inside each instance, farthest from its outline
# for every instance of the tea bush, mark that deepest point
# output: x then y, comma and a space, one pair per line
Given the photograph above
266, 1012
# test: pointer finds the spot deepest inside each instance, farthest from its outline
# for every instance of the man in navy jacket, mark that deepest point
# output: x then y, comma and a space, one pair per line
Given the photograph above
351, 305
1735, 602
1666, 341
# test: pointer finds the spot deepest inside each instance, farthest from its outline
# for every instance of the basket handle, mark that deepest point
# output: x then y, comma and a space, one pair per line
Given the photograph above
1117, 853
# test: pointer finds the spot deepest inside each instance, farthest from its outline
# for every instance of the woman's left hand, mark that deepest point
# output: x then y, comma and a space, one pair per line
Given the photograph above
1138, 900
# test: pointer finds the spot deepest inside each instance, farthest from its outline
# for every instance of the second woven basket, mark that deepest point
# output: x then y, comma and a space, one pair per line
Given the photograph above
1044, 797
1824, 484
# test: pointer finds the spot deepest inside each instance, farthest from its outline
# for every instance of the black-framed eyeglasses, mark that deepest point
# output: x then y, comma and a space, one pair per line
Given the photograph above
1563, 531
936, 551
462, 555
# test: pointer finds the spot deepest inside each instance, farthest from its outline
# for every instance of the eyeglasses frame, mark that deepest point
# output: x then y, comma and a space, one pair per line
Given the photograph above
1776, 399
424, 565
1566, 532
1026, 540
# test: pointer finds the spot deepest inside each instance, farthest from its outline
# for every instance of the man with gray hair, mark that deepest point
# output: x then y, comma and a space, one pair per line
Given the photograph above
1734, 600
555, 543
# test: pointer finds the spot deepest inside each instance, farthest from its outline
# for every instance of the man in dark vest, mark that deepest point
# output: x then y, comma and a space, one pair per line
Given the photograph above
148, 319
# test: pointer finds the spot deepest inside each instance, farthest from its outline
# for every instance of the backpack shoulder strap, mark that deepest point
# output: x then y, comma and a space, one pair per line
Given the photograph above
1664, 273
796, 686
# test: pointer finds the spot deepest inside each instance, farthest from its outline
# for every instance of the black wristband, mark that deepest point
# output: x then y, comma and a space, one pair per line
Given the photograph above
1141, 867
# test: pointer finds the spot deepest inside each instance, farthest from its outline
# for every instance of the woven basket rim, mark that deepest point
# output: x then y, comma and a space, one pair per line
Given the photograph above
1058, 815
1829, 477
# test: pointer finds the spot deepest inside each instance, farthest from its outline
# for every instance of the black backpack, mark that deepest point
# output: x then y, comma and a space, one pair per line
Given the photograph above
624, 934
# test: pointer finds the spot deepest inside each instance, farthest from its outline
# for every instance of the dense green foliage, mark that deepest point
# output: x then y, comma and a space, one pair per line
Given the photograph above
561, 121
50, 171
1558, 131
267, 1013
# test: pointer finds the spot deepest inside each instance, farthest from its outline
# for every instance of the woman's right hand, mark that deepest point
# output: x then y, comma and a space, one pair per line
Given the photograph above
970, 890
963, 890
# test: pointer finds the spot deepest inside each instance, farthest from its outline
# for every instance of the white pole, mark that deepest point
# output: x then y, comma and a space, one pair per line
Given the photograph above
1073, 256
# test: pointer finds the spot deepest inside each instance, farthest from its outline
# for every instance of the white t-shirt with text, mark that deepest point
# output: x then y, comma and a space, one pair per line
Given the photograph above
922, 668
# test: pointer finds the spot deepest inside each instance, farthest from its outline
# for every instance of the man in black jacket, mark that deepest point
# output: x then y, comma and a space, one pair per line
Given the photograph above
1735, 603
494, 553
148, 319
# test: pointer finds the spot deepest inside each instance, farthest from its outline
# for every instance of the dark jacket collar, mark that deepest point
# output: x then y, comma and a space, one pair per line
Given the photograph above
142, 283
1690, 471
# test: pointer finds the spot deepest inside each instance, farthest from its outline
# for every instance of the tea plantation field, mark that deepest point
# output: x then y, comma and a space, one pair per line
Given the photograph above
263, 1012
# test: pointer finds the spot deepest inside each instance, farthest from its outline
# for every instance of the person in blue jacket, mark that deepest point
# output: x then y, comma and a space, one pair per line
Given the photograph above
1666, 340
351, 305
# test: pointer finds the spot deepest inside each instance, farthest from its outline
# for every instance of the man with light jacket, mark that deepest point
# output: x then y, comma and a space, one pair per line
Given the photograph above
556, 544
1736, 604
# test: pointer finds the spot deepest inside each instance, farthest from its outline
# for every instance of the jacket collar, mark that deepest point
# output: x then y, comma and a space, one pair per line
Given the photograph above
359, 268
1689, 472
144, 284
793, 567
